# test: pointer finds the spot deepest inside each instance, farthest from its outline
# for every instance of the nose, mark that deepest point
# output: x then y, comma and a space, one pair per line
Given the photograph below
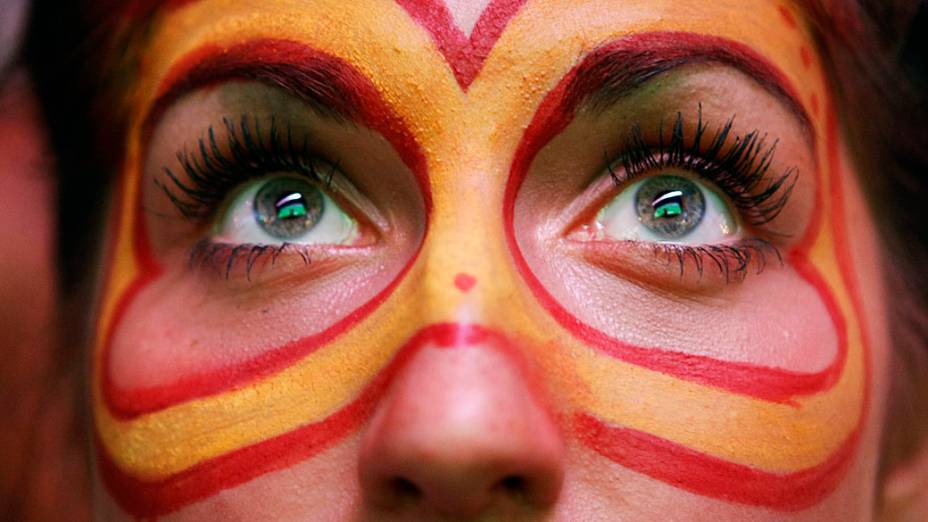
461, 432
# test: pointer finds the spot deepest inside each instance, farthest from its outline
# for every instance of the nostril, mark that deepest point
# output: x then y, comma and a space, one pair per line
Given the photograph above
405, 490
513, 486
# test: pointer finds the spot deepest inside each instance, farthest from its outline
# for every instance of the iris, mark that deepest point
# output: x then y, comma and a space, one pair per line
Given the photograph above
670, 206
287, 208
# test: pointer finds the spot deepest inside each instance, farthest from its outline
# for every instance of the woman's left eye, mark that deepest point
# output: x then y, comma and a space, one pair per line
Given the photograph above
284, 208
666, 208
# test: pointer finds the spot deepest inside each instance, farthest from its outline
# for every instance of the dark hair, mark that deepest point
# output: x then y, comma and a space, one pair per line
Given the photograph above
879, 75
869, 47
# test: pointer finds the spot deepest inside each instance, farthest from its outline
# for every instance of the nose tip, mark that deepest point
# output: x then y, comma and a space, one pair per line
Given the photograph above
460, 433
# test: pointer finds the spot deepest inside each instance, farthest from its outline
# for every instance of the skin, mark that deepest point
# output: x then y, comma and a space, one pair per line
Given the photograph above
469, 357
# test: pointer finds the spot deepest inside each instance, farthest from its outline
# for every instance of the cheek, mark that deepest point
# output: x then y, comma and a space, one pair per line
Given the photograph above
178, 326
756, 393
294, 493
780, 320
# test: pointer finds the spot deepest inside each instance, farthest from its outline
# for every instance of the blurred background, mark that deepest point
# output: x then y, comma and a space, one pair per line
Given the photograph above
41, 458
43, 463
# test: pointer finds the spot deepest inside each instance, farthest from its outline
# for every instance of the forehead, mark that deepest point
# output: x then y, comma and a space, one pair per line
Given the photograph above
408, 47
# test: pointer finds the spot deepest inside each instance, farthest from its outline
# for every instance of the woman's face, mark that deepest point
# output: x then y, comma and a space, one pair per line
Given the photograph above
512, 259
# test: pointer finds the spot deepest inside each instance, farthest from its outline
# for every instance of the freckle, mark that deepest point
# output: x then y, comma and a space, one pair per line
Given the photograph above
464, 282
806, 57
787, 17
814, 102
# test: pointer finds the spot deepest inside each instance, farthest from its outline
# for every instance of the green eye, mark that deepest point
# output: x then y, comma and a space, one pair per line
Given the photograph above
285, 209
288, 208
670, 206
666, 208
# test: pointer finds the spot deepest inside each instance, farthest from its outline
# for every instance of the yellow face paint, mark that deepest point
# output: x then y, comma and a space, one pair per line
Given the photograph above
787, 437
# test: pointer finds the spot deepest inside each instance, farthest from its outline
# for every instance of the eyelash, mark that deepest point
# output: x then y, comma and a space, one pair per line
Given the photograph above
224, 257
214, 174
739, 170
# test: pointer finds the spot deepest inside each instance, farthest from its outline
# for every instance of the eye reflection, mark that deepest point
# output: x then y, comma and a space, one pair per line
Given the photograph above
665, 208
669, 206
285, 209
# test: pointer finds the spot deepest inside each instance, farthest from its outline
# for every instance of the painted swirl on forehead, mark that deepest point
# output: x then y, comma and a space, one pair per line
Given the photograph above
667, 460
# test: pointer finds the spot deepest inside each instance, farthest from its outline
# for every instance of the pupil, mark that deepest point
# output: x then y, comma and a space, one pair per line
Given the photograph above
670, 206
291, 206
288, 208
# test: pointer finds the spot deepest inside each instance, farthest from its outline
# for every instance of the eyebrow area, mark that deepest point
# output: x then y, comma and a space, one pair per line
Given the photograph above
615, 70
328, 85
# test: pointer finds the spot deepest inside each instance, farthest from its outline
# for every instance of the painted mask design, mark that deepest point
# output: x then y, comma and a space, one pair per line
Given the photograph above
470, 117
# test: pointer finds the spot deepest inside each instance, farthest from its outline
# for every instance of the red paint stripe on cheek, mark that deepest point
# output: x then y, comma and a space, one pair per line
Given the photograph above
147, 499
712, 477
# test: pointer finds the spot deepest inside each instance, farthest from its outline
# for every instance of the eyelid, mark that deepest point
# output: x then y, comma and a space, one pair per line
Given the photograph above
584, 207
218, 165
342, 190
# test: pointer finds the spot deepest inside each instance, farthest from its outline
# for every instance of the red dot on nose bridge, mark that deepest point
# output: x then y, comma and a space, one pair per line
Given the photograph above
464, 282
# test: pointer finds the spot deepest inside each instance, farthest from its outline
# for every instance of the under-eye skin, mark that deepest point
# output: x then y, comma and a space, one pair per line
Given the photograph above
261, 194
702, 201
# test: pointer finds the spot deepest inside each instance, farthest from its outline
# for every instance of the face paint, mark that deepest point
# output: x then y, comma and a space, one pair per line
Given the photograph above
447, 103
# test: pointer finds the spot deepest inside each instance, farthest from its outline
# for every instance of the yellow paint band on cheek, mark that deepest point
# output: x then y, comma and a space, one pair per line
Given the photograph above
460, 133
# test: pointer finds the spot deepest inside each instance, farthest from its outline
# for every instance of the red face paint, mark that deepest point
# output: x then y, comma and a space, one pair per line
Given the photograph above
464, 282
643, 452
204, 67
464, 54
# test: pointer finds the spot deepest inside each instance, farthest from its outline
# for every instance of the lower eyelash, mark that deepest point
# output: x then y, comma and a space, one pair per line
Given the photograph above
225, 259
733, 261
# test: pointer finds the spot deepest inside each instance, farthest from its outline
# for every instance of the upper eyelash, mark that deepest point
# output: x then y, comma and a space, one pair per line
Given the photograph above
212, 173
739, 170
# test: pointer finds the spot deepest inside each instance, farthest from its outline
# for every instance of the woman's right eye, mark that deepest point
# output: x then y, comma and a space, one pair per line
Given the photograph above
284, 208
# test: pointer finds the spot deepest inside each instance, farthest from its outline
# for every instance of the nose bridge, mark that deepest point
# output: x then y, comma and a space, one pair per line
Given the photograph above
467, 270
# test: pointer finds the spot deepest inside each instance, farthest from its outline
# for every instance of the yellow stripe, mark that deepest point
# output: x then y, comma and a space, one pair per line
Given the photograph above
469, 141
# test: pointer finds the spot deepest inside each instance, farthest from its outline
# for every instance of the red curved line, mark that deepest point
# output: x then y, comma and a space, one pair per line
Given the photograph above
143, 498
211, 64
770, 384
464, 55
713, 477
682, 467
